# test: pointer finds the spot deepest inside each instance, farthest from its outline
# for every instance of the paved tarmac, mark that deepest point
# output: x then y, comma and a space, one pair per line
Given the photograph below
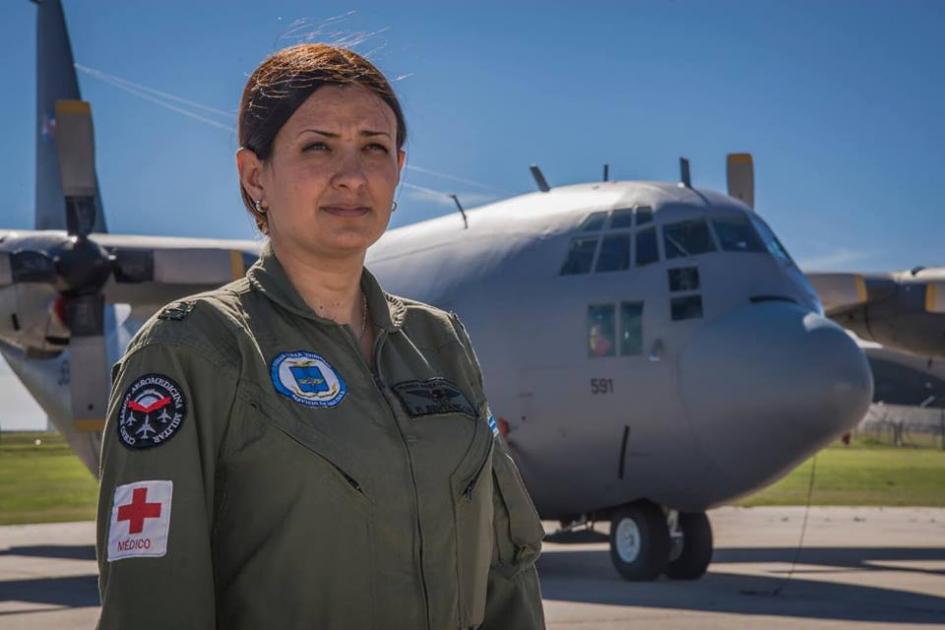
858, 568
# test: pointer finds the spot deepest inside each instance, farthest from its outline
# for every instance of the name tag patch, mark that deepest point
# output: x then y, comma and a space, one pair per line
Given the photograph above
141, 518
433, 396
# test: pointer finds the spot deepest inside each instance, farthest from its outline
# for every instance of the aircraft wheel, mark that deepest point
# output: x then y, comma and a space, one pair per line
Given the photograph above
695, 554
639, 541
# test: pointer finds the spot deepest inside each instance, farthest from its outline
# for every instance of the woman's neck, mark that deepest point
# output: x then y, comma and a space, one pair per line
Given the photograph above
330, 286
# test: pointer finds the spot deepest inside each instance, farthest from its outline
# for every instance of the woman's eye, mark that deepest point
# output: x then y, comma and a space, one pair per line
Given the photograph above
377, 147
319, 146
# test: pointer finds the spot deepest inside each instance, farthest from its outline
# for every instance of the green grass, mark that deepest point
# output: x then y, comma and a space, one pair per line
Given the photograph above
865, 473
43, 483
47, 483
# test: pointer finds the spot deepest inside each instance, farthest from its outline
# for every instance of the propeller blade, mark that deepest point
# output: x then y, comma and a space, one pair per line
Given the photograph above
88, 363
75, 141
740, 171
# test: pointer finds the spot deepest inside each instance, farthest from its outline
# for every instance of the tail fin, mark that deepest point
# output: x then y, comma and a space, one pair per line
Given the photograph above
55, 80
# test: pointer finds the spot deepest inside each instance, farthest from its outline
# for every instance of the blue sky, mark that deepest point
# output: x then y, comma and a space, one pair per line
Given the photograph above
839, 101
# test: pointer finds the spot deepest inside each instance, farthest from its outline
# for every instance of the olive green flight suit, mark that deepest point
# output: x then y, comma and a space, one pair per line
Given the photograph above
388, 502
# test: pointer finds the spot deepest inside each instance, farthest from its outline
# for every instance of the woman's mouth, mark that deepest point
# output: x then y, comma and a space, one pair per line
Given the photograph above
346, 211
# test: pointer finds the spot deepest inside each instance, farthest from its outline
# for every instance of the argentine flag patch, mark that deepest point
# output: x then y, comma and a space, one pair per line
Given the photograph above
493, 424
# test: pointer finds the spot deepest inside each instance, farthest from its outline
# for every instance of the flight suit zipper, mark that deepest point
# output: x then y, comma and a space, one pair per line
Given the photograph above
379, 384
468, 491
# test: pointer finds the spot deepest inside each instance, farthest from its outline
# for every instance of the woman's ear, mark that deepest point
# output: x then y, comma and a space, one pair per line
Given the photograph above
250, 169
401, 158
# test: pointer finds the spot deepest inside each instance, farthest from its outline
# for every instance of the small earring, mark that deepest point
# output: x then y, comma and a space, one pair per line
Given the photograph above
394, 209
259, 208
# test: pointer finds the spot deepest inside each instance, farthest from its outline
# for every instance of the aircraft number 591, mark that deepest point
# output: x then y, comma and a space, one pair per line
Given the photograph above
602, 386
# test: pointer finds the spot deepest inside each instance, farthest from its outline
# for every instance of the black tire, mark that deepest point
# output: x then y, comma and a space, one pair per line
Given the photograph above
652, 548
696, 554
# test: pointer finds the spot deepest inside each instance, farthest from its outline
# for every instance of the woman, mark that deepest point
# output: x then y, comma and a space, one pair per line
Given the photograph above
299, 449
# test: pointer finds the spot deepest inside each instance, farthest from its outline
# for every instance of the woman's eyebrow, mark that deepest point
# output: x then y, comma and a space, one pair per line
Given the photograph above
330, 134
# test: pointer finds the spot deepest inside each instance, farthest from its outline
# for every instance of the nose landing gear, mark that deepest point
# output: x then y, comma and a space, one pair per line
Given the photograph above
645, 542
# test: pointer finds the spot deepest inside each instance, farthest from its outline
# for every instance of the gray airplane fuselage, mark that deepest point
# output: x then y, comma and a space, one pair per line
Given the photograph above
713, 407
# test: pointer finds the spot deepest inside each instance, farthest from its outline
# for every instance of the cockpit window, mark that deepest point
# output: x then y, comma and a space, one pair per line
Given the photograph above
593, 222
601, 336
644, 215
614, 253
621, 218
687, 238
580, 256
647, 251
631, 328
735, 234
771, 241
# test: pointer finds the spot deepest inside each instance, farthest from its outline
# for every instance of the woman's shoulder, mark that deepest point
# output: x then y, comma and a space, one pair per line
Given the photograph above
208, 322
439, 325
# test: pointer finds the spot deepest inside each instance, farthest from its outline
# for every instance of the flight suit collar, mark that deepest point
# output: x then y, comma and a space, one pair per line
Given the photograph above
268, 276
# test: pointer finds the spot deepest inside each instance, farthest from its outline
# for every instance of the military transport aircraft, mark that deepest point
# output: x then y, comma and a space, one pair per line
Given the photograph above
651, 348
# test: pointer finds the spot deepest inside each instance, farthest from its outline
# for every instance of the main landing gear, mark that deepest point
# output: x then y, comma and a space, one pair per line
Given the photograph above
645, 542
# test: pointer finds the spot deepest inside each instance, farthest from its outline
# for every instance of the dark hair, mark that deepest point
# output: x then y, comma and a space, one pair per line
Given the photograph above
285, 80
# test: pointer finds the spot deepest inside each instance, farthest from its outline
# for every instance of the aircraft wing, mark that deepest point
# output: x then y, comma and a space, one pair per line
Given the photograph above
147, 271
151, 271
902, 310
839, 292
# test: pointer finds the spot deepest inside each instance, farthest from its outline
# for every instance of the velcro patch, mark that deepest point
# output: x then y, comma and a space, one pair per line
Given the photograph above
141, 518
152, 411
177, 311
433, 396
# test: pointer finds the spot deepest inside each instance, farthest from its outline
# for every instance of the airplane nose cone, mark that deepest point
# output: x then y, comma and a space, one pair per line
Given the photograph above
766, 386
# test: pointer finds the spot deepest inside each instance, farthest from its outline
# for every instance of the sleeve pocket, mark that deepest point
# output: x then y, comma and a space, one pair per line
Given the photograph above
518, 529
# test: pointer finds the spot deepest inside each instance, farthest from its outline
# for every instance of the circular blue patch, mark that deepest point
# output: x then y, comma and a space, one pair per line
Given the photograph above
308, 379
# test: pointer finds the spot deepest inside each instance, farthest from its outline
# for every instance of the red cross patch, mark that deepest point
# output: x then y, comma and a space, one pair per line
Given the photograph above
141, 518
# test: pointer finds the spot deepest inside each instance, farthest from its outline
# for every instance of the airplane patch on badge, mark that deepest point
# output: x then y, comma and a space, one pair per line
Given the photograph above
433, 396
152, 412
140, 521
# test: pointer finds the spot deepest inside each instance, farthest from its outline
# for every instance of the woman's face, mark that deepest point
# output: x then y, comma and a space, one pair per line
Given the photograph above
329, 183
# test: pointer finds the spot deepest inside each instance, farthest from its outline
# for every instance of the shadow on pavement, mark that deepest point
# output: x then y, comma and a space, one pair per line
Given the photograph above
588, 576
75, 591
65, 552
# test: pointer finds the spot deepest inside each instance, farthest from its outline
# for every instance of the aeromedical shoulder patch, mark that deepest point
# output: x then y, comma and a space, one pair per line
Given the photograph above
433, 396
152, 412
141, 518
177, 310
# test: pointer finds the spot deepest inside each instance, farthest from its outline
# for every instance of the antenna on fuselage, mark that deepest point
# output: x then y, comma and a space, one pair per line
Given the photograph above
684, 178
606, 172
459, 206
539, 178
740, 171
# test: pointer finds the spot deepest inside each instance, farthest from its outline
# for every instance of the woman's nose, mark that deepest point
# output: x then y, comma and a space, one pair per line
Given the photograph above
349, 172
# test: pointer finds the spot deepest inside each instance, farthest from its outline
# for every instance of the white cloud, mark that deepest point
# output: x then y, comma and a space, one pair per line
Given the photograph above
429, 195
833, 260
